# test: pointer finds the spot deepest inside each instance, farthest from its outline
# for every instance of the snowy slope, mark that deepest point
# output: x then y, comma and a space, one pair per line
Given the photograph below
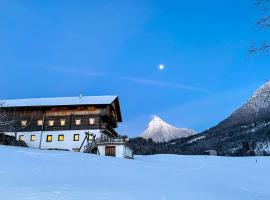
161, 131
262, 147
256, 108
53, 175
259, 100
249, 124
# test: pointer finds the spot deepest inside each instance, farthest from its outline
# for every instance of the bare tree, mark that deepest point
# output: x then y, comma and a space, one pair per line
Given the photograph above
3, 116
264, 23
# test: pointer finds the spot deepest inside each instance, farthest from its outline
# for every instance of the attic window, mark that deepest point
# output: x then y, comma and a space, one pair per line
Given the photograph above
51, 122
24, 123
92, 121
77, 122
62, 122
113, 113
40, 122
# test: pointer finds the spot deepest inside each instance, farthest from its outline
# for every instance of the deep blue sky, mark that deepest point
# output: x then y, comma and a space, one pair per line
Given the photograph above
62, 48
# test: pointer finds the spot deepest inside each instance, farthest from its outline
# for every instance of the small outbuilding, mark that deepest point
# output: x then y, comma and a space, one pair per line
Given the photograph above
116, 147
210, 153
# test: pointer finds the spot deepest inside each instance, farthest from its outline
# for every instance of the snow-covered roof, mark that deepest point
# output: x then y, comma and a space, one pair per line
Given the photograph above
61, 101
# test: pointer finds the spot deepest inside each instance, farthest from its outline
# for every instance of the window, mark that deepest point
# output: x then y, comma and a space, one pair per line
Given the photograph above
77, 122
92, 121
90, 137
60, 137
62, 122
33, 138
40, 122
24, 122
21, 138
51, 122
113, 113
76, 137
49, 138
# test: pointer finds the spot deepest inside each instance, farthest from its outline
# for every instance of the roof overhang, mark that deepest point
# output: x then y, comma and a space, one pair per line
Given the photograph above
118, 109
60, 101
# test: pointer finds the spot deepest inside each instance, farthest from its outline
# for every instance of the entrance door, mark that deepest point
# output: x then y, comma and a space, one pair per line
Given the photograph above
110, 151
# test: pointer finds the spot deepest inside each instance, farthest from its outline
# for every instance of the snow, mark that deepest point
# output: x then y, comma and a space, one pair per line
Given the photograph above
61, 101
262, 147
259, 100
196, 139
161, 131
35, 174
262, 91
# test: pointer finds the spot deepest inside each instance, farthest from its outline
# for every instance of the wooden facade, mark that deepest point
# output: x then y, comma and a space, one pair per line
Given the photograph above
68, 117
66, 123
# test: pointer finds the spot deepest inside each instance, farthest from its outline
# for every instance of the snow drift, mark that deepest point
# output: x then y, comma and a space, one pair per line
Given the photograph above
35, 174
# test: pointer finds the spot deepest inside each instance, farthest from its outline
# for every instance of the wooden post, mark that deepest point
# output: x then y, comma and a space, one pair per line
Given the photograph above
42, 129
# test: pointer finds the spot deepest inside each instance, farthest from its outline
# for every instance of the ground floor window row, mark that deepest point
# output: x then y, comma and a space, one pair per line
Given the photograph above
49, 138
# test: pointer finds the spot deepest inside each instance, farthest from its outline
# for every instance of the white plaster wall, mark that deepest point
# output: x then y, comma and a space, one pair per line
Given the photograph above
119, 150
101, 150
68, 142
128, 152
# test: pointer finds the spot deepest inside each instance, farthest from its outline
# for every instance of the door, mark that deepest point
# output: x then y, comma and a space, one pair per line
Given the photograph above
110, 151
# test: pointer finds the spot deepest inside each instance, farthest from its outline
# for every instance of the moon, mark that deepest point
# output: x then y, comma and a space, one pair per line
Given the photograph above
161, 67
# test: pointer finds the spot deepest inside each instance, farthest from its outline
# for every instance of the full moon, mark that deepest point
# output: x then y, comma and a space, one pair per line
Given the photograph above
161, 67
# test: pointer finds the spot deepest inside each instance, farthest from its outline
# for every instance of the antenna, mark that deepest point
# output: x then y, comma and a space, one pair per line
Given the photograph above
80, 96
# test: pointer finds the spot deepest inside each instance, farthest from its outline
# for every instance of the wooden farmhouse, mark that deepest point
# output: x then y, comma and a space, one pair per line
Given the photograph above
82, 124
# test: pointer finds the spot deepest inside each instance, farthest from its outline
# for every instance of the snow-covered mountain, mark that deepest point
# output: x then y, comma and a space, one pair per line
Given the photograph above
258, 104
260, 99
257, 108
245, 132
160, 131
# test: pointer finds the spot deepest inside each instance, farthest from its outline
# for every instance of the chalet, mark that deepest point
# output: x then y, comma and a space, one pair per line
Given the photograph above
82, 124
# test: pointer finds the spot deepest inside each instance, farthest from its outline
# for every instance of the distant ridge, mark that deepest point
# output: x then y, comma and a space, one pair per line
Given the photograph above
245, 132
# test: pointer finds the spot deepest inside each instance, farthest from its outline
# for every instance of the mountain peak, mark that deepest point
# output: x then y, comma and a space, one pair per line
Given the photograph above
248, 124
161, 131
259, 101
156, 118
157, 122
256, 108
263, 91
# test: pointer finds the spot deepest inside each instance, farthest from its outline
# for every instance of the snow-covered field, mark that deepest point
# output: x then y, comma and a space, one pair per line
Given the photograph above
53, 175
